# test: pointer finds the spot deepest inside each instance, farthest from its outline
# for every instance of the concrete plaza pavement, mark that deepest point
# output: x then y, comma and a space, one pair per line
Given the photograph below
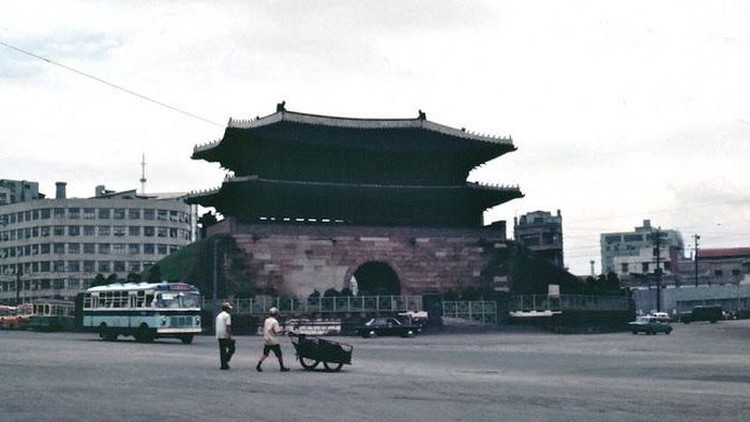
700, 372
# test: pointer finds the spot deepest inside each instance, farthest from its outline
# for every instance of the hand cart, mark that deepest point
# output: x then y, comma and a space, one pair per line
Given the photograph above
311, 350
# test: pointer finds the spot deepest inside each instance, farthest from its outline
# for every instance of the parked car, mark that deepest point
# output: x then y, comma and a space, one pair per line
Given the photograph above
711, 313
649, 325
387, 327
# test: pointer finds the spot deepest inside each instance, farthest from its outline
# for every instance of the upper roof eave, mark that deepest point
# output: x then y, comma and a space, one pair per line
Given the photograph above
356, 123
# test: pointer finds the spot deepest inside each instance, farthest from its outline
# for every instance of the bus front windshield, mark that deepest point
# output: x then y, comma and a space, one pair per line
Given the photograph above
177, 300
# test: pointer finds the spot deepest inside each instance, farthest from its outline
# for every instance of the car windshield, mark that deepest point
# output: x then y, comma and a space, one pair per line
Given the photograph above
643, 319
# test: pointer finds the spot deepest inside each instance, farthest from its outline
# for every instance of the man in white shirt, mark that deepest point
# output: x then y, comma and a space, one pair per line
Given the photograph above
271, 330
223, 327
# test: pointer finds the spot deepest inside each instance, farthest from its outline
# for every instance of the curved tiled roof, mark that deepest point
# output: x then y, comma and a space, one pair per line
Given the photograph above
357, 123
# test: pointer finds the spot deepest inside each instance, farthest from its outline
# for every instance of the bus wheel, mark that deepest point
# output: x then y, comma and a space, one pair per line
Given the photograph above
144, 335
187, 339
106, 333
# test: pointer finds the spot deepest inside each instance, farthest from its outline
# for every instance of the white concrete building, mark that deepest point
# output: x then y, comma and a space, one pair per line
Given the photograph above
56, 247
634, 253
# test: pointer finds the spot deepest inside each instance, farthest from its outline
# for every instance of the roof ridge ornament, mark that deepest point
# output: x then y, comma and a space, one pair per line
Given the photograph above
281, 107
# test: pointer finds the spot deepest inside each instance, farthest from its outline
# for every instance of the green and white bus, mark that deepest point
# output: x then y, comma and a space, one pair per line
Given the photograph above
145, 311
46, 315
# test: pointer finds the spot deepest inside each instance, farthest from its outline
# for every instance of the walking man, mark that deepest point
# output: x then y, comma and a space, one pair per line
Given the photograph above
271, 330
224, 335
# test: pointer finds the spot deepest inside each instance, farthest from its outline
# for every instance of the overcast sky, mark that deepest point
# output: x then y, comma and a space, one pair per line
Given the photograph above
621, 110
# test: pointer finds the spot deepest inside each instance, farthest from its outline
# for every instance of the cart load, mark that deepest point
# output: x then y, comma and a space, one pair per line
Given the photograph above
312, 350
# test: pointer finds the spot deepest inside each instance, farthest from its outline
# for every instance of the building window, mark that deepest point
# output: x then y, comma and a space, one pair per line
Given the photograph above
134, 266
134, 231
118, 231
718, 273
59, 213
58, 231
162, 215
74, 266
103, 248
59, 266
89, 230
118, 214
134, 214
134, 249
148, 248
148, 231
119, 266
74, 248
161, 249
89, 213
89, 248
624, 268
148, 214
104, 267
44, 213
103, 230
118, 249
74, 230
74, 213
644, 267
104, 213
44, 248
59, 248
89, 266
161, 232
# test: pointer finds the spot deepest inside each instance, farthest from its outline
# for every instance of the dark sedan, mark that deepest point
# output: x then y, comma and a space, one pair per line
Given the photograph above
387, 327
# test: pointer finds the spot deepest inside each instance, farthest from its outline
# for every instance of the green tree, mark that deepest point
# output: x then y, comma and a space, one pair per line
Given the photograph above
99, 280
154, 273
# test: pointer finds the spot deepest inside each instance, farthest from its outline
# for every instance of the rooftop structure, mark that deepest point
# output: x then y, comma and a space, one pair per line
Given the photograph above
13, 191
306, 168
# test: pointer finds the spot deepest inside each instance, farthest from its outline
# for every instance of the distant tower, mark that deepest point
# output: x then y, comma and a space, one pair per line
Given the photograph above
143, 174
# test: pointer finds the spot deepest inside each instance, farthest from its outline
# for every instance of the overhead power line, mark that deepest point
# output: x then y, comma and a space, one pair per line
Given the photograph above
110, 84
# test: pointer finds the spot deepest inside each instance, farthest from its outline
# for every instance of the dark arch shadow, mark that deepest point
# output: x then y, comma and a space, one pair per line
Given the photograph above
377, 279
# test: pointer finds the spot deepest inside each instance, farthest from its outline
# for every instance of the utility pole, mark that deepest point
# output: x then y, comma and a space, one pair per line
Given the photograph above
657, 251
695, 258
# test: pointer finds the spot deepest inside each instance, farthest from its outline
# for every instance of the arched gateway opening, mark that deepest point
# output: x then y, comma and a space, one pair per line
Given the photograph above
377, 279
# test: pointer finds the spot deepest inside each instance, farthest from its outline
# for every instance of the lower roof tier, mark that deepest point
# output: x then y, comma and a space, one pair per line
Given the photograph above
256, 199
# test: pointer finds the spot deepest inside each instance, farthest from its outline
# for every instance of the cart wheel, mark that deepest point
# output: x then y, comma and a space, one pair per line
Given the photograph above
308, 363
333, 367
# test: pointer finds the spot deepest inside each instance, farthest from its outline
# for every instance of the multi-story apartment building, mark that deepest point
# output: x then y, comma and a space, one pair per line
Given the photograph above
541, 232
56, 247
635, 253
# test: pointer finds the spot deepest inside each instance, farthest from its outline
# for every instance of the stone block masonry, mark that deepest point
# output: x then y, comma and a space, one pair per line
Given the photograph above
298, 259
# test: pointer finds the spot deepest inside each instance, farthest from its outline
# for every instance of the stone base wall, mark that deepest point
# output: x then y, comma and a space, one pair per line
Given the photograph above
298, 259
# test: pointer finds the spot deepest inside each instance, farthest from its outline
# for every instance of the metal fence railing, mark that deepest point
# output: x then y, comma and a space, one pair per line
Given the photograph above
483, 311
323, 305
568, 302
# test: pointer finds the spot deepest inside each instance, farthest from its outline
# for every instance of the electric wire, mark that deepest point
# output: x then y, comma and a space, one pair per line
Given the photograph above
110, 84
